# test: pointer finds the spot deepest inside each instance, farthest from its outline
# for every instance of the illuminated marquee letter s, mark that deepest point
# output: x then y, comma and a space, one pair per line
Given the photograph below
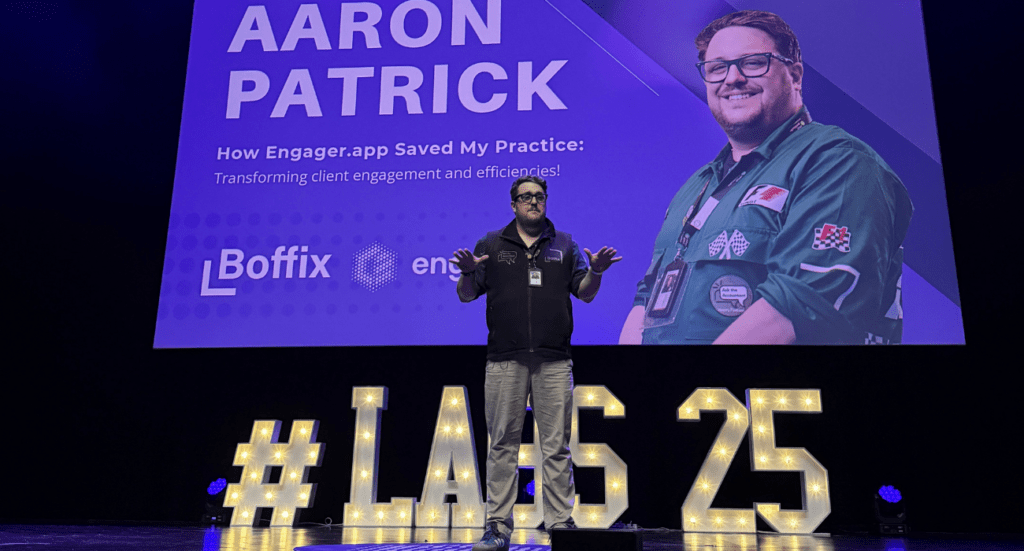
599, 455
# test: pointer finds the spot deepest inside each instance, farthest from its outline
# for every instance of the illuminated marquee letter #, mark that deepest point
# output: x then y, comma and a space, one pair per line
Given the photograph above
764, 456
258, 456
452, 468
599, 455
362, 508
698, 516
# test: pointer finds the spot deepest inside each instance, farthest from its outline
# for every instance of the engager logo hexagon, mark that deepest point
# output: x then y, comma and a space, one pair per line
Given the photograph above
374, 266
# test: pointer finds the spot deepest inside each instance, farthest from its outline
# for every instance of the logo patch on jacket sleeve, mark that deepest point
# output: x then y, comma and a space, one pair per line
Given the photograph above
766, 195
830, 236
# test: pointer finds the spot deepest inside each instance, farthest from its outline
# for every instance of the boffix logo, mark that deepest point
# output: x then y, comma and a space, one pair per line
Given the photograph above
286, 262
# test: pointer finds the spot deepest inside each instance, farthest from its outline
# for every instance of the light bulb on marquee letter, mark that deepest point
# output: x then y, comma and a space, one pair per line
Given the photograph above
764, 456
452, 468
256, 458
697, 513
616, 488
362, 508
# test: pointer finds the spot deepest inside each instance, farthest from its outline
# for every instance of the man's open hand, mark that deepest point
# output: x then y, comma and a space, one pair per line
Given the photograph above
604, 258
464, 259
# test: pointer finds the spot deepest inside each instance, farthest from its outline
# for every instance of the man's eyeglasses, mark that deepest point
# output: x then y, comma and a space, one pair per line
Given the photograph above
527, 198
750, 66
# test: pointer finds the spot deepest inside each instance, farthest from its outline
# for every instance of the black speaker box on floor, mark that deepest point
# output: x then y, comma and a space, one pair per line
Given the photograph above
582, 539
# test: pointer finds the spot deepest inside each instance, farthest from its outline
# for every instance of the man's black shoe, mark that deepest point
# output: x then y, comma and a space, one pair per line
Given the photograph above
493, 539
567, 525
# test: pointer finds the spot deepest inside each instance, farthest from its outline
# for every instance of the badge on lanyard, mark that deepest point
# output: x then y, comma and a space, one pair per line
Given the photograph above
536, 280
667, 291
535, 277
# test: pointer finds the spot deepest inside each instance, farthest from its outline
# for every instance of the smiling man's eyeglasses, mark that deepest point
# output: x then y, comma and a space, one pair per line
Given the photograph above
527, 198
750, 66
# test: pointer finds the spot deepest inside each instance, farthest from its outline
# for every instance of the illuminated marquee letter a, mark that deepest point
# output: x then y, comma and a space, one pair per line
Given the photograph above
452, 468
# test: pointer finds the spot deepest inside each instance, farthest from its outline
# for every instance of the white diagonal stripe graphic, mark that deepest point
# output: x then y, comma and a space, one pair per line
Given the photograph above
602, 47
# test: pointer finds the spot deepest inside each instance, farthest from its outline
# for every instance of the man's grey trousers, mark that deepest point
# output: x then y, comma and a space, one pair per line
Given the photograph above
507, 386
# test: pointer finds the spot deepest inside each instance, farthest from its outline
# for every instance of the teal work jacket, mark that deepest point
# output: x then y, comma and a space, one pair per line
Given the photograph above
814, 226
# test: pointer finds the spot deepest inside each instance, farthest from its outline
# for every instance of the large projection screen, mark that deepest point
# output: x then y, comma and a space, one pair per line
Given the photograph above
333, 155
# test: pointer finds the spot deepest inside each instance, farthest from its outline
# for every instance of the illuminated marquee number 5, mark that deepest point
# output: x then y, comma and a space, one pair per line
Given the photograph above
764, 456
761, 404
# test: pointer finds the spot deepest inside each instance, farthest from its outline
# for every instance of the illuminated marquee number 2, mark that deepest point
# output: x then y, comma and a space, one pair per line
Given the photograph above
697, 513
757, 415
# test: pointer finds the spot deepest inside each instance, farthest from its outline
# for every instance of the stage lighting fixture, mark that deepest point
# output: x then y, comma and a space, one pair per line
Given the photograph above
214, 512
891, 511
217, 486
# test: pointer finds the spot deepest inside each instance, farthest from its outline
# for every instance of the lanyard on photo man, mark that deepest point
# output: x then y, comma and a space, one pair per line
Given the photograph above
692, 226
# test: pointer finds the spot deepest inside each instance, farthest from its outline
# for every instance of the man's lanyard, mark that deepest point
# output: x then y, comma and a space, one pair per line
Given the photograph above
531, 254
692, 226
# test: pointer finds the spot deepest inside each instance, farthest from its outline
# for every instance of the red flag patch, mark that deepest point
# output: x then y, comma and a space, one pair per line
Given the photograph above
766, 195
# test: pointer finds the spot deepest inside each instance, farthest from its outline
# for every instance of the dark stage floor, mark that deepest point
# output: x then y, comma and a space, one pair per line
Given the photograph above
179, 538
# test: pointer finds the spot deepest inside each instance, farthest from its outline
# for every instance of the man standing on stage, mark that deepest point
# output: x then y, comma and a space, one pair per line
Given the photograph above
528, 270
793, 233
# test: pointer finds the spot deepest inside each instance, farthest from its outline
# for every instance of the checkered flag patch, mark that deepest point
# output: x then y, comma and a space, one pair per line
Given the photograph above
830, 236
871, 338
718, 244
738, 243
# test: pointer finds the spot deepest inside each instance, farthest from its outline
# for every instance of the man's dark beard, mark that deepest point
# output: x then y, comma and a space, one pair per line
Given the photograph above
531, 227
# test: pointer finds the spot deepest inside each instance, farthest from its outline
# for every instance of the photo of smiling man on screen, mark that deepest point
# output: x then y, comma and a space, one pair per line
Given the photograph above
792, 234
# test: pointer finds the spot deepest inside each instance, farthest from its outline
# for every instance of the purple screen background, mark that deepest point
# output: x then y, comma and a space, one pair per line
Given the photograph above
632, 98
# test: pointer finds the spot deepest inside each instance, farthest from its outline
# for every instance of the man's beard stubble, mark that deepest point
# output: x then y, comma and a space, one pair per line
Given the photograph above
532, 227
749, 131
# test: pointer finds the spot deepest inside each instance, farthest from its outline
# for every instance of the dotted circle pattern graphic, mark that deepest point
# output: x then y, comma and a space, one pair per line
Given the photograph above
35, 11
